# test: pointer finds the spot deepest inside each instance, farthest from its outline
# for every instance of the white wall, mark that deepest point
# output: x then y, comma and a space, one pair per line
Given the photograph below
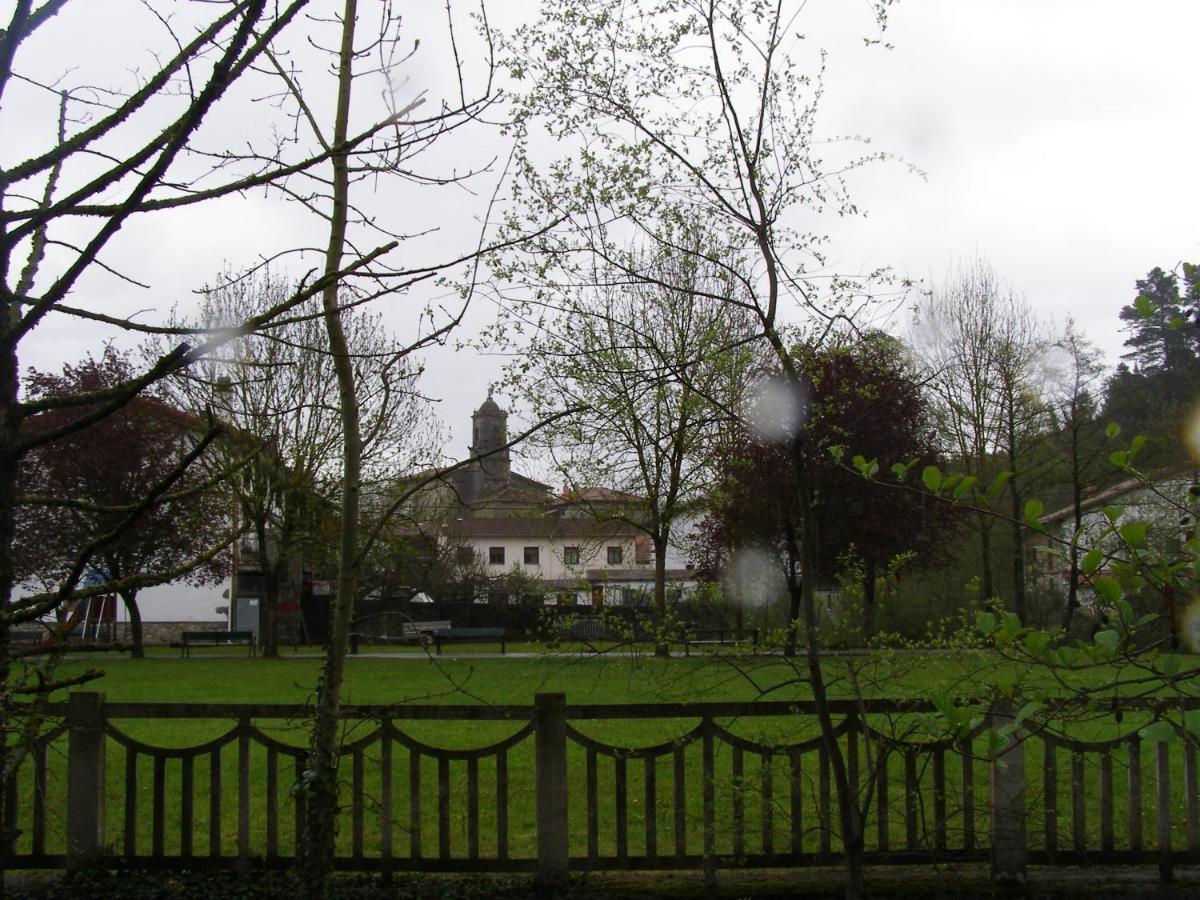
180, 602
592, 555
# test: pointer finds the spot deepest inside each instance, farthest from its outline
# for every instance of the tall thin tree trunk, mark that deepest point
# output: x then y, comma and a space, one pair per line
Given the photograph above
663, 647
987, 584
869, 584
320, 789
1018, 528
795, 596
1076, 522
10, 421
850, 817
272, 571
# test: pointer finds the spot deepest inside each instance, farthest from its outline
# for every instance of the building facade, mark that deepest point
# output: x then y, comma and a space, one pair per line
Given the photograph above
573, 547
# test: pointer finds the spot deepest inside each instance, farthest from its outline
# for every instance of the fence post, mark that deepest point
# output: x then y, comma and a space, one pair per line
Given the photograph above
1009, 855
550, 743
85, 777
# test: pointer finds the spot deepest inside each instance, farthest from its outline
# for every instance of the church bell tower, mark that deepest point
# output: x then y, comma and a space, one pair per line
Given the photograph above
489, 432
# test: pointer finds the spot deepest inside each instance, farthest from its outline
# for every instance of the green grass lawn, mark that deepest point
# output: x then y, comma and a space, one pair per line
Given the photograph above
471, 674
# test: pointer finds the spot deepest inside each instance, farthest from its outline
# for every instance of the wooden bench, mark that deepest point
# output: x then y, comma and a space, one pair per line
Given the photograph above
470, 635
216, 638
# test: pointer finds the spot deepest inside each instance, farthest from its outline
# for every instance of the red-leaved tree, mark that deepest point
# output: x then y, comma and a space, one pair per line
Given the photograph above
78, 494
864, 399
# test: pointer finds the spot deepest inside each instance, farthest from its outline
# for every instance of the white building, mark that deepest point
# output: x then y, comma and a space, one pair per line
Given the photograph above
580, 547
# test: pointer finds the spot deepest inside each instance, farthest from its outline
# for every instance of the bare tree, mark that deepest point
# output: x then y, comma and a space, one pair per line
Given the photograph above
981, 345
1024, 418
696, 111
653, 369
398, 146
1075, 403
276, 393
129, 153
116, 155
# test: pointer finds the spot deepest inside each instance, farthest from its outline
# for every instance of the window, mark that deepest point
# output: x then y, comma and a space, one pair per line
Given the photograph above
465, 556
614, 556
571, 556
531, 556
496, 556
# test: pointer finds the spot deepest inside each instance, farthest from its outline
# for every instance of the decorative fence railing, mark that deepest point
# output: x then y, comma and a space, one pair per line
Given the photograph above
552, 788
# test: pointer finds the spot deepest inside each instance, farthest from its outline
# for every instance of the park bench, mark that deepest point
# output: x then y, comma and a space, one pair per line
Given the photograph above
410, 631
718, 636
470, 635
423, 631
216, 638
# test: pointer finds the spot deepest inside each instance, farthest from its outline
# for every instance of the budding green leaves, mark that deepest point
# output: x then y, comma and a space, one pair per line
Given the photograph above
1108, 588
931, 477
1108, 641
1134, 533
1091, 561
985, 622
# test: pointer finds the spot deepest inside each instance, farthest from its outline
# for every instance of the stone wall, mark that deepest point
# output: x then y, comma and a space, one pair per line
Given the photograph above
165, 633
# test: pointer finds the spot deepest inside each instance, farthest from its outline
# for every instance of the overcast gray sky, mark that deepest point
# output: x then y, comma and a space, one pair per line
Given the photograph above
1057, 138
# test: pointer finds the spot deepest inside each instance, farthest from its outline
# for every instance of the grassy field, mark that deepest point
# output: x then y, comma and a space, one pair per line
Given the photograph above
411, 676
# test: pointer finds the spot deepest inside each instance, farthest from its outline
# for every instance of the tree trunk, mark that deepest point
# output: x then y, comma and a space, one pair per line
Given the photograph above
1171, 613
1073, 570
1072, 590
10, 421
272, 570
1018, 559
850, 817
1077, 491
869, 585
988, 586
137, 649
320, 789
1018, 527
662, 647
795, 597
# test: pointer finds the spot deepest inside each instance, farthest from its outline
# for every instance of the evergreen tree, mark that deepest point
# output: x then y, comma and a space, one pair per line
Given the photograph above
1155, 394
1164, 334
